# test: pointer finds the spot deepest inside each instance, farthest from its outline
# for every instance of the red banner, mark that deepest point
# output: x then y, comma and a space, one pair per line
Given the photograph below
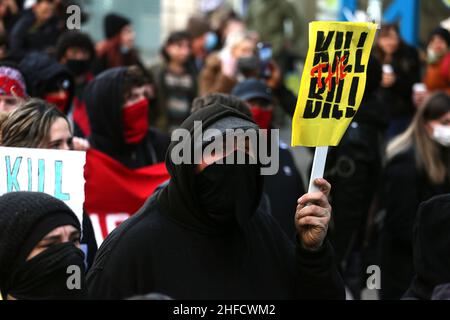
114, 192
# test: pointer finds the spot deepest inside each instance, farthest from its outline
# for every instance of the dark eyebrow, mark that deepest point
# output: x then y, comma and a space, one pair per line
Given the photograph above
51, 238
55, 142
75, 234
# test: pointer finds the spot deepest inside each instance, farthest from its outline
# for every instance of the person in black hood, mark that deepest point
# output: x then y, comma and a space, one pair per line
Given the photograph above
431, 245
202, 237
48, 80
117, 106
39, 241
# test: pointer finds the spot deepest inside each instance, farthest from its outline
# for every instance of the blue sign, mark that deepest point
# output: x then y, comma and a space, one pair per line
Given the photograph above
404, 11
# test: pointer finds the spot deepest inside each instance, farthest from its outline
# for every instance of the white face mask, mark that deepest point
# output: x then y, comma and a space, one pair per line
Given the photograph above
441, 134
433, 57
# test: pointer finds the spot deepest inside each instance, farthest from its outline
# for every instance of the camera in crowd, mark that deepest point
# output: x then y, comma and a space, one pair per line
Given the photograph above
258, 65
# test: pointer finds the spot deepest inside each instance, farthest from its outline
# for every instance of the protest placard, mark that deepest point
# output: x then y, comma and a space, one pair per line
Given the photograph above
55, 172
332, 86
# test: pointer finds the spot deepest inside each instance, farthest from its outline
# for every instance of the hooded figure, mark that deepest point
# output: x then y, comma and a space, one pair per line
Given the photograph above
48, 80
431, 247
25, 219
202, 236
120, 175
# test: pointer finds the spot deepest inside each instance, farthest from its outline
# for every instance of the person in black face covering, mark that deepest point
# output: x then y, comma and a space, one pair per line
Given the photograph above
39, 241
203, 236
76, 51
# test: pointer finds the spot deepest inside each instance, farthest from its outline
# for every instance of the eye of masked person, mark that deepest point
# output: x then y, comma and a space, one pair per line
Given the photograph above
64, 234
138, 94
216, 152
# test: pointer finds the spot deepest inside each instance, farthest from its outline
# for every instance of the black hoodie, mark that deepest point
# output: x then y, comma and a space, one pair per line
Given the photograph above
431, 246
104, 97
171, 247
42, 71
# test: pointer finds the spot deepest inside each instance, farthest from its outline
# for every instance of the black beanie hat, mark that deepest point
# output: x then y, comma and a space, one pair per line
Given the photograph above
20, 213
441, 32
113, 24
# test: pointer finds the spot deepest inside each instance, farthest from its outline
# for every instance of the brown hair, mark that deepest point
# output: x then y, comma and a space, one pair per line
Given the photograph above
428, 152
384, 31
29, 125
134, 78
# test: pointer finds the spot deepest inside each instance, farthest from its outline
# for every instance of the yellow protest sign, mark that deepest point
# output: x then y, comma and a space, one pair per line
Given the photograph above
333, 81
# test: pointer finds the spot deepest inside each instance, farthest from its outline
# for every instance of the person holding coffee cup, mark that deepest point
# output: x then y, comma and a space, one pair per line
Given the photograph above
401, 69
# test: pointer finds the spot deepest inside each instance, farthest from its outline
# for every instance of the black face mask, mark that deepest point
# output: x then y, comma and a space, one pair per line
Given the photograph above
78, 67
46, 276
230, 193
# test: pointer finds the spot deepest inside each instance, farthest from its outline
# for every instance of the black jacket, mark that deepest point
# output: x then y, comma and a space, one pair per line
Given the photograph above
431, 247
26, 38
104, 100
406, 186
171, 247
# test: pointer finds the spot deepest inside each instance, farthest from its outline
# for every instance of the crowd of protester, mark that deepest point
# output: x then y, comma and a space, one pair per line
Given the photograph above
212, 231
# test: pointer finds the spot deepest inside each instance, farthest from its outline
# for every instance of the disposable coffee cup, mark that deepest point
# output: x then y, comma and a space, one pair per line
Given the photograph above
387, 68
419, 88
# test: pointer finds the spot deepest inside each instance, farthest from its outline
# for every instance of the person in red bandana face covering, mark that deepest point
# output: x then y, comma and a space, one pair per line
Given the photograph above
259, 98
125, 164
58, 94
135, 116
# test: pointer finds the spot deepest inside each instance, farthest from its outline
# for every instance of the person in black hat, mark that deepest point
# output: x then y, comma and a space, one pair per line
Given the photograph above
115, 24
118, 49
48, 80
284, 187
38, 125
203, 237
39, 241
437, 77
